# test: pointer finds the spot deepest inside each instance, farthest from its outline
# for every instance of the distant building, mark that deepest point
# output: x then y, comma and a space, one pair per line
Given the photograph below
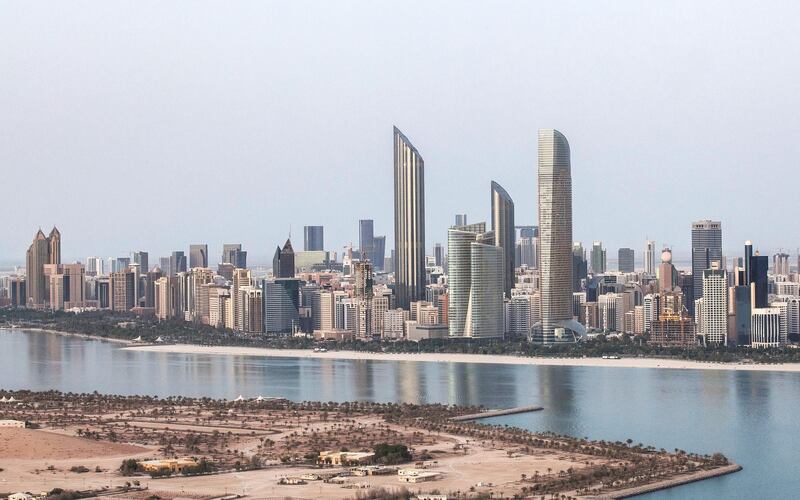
625, 260
766, 328
504, 232
713, 318
177, 262
313, 238
366, 237
650, 257
198, 256
123, 288
461, 220
233, 254
44, 250
283, 261
706, 248
143, 260
597, 258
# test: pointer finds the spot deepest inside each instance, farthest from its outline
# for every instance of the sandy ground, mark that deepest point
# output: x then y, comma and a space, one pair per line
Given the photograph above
467, 358
26, 456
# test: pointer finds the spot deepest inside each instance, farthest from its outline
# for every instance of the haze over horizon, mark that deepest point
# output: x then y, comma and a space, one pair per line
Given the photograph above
149, 126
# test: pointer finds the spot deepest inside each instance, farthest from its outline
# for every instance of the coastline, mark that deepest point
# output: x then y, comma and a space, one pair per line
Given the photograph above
675, 364
71, 334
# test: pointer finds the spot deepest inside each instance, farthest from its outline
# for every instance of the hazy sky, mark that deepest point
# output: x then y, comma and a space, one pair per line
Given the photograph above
153, 125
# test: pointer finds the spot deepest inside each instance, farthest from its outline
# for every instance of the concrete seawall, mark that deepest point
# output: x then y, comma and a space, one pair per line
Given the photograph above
496, 413
670, 483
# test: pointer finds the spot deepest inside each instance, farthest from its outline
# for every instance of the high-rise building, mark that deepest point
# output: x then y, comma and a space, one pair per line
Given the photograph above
313, 238
780, 264
667, 276
43, 250
409, 221
756, 276
366, 236
504, 232
555, 239
241, 279
283, 261
706, 248
163, 264
459, 274
713, 322
232, 253
597, 258
143, 260
484, 312
461, 220
625, 260
438, 254
94, 266
281, 304
122, 287
177, 262
198, 255
580, 268
378, 252
765, 328
650, 257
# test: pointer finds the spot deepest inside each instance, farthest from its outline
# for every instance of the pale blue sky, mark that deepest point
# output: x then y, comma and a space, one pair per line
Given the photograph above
153, 125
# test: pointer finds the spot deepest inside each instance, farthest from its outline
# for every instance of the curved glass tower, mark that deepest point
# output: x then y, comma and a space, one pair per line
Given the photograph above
555, 239
504, 232
409, 221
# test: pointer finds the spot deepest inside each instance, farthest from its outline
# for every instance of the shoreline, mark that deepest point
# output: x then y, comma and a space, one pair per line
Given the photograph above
675, 364
84, 336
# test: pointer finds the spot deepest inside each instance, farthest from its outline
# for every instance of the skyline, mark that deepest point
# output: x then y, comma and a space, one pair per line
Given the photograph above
183, 117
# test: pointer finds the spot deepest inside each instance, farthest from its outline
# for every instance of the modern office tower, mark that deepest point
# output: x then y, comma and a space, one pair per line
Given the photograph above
765, 328
142, 259
232, 253
504, 232
120, 264
73, 281
667, 276
485, 311
313, 238
148, 287
759, 280
461, 220
438, 254
380, 304
625, 260
366, 235
43, 250
742, 311
198, 255
378, 252
612, 312
780, 264
650, 257
528, 231
167, 298
281, 304
123, 290
409, 221
164, 265
706, 248
283, 261
527, 253
783, 311
519, 316
241, 278
94, 266
714, 301
459, 277
580, 269
177, 262
197, 300
652, 309
597, 258
555, 238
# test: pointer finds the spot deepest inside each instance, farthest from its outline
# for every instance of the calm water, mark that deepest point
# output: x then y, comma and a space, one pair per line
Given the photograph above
752, 418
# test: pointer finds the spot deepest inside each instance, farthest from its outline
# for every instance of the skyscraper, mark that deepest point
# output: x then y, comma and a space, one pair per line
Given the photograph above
43, 250
378, 252
313, 238
625, 260
461, 220
438, 254
504, 232
650, 257
459, 269
409, 221
177, 262
555, 236
714, 306
283, 261
706, 248
597, 258
198, 256
143, 259
232, 253
366, 235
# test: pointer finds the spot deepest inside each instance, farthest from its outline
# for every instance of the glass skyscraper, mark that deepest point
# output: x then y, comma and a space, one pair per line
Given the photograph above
409, 221
706, 248
313, 238
504, 233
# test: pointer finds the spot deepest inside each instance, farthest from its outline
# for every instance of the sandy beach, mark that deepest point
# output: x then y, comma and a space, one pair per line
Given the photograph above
675, 364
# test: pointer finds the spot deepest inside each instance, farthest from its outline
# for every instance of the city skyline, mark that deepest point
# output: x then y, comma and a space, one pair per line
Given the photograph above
121, 122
